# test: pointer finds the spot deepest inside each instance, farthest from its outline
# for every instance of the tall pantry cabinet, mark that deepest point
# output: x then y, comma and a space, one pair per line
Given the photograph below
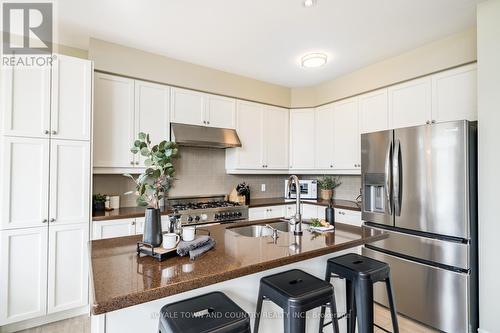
45, 131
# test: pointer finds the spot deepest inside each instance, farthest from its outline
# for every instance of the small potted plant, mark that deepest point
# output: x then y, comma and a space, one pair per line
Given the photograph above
98, 202
154, 183
244, 190
327, 186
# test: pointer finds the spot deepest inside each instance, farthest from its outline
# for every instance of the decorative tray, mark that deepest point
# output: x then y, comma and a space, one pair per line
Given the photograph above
159, 253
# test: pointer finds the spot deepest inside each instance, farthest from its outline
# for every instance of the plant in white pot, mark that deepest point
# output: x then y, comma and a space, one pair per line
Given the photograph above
327, 186
154, 183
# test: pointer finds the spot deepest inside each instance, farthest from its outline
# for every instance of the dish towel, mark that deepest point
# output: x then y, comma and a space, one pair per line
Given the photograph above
196, 247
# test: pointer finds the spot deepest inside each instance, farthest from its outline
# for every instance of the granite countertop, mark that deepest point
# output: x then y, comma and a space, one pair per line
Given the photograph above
121, 279
132, 212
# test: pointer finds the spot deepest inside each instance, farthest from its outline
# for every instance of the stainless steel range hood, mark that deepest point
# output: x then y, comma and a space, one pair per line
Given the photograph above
201, 136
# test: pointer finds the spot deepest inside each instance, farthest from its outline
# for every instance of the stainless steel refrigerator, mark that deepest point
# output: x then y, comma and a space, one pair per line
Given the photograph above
419, 184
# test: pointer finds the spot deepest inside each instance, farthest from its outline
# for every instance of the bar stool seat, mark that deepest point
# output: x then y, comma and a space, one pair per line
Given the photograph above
361, 273
210, 313
296, 292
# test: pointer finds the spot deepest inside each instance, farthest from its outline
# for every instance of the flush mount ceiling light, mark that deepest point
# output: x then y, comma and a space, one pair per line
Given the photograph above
312, 60
309, 3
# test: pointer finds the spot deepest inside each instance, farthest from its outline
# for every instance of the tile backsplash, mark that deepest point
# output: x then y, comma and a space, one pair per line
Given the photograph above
201, 171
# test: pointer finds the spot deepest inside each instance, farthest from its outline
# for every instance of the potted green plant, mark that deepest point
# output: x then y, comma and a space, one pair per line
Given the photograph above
98, 202
327, 186
154, 183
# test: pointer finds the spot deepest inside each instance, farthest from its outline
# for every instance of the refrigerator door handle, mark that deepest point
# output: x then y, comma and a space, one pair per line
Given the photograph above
388, 177
397, 175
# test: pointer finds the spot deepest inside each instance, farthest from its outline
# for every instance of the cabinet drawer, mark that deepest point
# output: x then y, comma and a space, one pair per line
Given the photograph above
348, 217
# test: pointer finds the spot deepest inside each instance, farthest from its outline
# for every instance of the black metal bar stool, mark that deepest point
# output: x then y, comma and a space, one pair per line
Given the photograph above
361, 273
209, 313
296, 292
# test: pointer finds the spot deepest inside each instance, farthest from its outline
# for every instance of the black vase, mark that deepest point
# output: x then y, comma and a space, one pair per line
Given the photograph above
152, 227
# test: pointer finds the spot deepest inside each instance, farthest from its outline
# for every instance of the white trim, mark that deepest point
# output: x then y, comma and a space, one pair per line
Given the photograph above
30, 323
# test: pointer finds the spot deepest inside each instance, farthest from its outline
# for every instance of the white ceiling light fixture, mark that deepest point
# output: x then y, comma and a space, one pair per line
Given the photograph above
309, 3
312, 60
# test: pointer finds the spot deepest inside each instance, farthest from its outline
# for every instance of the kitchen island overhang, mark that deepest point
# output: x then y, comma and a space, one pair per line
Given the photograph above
121, 279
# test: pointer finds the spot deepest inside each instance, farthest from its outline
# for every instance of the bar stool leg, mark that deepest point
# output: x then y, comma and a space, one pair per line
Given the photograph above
350, 307
258, 311
392, 305
364, 305
333, 310
328, 277
295, 322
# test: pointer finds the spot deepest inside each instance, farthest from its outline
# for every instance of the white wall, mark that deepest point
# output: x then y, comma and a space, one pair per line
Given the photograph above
488, 43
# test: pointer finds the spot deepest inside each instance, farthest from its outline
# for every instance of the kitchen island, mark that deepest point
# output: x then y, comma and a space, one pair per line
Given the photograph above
129, 291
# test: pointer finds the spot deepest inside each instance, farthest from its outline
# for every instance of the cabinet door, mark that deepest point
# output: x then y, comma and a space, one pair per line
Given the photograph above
71, 98
259, 213
69, 182
220, 112
374, 111
290, 211
250, 131
139, 225
68, 267
275, 137
152, 113
346, 136
187, 107
454, 94
113, 121
24, 182
309, 211
275, 212
324, 158
25, 101
113, 228
348, 217
302, 139
23, 274
410, 103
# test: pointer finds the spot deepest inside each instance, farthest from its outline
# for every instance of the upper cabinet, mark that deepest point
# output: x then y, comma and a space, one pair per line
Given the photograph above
39, 102
302, 129
410, 103
454, 94
263, 132
346, 138
323, 141
197, 108
113, 121
373, 111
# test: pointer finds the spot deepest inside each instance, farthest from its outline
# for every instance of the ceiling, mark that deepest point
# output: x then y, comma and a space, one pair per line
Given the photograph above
264, 39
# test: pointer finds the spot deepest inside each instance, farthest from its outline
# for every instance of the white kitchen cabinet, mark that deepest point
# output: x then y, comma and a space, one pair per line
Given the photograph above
68, 267
25, 101
348, 217
250, 129
302, 129
267, 212
23, 274
24, 183
71, 101
290, 211
139, 224
113, 228
69, 182
346, 138
152, 113
410, 103
454, 94
113, 121
310, 211
187, 106
220, 111
323, 143
374, 111
275, 133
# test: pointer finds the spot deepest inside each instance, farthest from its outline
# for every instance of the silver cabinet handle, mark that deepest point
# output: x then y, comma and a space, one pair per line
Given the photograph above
44, 221
46, 132
433, 121
208, 122
136, 163
52, 220
205, 122
132, 162
54, 132
331, 165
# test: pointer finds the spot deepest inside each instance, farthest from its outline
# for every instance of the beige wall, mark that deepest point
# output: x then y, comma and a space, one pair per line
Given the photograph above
132, 62
449, 52
488, 41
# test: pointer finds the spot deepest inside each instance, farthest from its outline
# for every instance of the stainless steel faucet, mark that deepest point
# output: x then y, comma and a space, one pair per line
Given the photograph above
297, 219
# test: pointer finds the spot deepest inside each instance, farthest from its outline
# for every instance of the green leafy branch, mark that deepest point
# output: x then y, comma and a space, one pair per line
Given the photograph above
155, 182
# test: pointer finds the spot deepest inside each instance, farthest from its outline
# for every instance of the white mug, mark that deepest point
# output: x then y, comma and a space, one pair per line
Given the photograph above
188, 233
170, 241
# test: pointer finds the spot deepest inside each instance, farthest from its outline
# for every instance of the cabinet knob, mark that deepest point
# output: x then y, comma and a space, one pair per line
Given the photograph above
46, 132
428, 122
44, 221
54, 132
133, 222
208, 122
136, 163
132, 162
433, 121
52, 220
331, 165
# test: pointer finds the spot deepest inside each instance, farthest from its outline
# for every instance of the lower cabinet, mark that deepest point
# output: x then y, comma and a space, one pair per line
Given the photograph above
123, 227
268, 212
346, 216
43, 270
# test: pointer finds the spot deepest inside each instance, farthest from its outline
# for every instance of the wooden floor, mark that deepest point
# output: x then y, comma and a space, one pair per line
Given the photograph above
81, 324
